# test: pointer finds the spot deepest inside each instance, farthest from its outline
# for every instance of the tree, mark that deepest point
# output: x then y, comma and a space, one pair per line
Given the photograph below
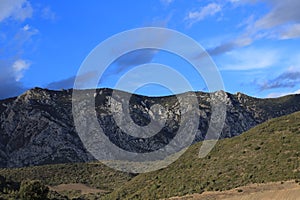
33, 190
2, 183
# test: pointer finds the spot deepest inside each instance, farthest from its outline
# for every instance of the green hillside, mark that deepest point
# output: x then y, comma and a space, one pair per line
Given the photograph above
269, 152
96, 175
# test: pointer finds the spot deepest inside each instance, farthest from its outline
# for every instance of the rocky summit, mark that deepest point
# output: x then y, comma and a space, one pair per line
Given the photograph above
38, 128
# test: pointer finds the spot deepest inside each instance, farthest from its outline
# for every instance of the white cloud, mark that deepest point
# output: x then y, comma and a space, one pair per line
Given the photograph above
209, 10
26, 27
248, 59
19, 67
16, 9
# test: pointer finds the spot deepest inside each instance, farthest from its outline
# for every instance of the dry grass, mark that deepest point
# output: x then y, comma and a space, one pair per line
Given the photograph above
269, 191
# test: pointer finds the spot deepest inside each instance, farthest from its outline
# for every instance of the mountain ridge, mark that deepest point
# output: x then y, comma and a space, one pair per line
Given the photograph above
37, 127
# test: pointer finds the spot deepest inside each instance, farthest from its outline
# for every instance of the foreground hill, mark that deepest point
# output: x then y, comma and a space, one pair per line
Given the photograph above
269, 152
37, 127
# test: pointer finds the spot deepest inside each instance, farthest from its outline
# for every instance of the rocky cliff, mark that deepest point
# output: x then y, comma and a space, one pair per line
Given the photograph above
38, 127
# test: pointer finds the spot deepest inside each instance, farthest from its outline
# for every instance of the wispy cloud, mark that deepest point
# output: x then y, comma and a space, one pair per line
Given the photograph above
231, 45
291, 32
206, 11
166, 2
48, 14
281, 22
15, 9
282, 12
288, 79
249, 59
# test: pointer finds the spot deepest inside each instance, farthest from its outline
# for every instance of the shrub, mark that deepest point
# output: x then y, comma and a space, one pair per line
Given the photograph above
257, 148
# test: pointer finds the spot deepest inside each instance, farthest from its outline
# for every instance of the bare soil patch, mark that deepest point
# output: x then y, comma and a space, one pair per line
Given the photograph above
84, 189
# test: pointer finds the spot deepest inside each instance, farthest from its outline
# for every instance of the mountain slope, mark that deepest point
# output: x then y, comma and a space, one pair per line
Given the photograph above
37, 127
267, 153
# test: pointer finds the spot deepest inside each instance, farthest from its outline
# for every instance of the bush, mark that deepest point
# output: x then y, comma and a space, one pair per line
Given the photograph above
33, 190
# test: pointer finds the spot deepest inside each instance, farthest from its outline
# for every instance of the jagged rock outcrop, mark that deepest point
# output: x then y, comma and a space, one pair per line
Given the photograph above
38, 126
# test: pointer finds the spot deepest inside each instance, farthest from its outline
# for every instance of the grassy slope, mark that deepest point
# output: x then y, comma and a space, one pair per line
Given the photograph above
266, 153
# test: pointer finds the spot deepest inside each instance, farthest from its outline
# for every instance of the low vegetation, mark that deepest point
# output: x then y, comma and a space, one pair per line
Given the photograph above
95, 175
267, 153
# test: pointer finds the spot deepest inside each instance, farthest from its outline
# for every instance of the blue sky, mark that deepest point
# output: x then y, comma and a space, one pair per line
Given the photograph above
255, 44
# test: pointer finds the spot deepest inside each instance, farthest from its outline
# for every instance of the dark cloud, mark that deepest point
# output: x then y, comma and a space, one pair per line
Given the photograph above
9, 87
139, 56
229, 46
134, 58
223, 48
68, 83
285, 80
62, 84
125, 62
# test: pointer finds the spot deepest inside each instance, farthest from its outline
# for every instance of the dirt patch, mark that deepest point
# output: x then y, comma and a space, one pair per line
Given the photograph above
270, 191
84, 189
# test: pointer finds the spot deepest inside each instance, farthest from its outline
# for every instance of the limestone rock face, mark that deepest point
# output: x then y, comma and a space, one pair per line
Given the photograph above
38, 127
